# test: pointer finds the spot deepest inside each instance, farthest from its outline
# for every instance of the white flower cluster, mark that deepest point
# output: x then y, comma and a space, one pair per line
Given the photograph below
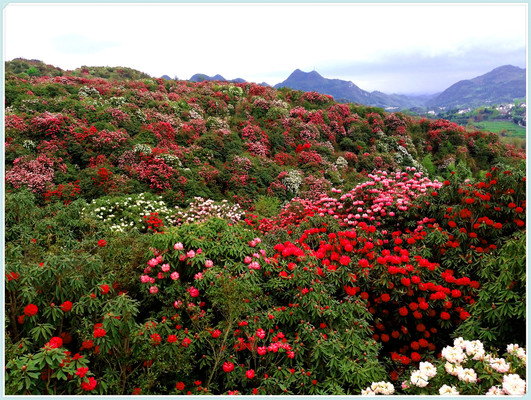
421, 376
341, 163
142, 148
293, 181
513, 385
195, 115
171, 160
29, 145
122, 214
384, 388
86, 91
463, 350
217, 123
516, 350
116, 101
200, 210
446, 390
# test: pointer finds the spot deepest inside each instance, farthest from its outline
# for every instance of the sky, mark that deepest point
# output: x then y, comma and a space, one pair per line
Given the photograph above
393, 48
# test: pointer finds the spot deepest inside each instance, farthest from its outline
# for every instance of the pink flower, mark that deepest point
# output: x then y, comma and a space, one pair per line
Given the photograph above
178, 246
198, 276
194, 292
252, 243
190, 254
153, 289
178, 304
199, 251
247, 260
261, 350
174, 276
254, 265
165, 267
260, 333
209, 264
145, 278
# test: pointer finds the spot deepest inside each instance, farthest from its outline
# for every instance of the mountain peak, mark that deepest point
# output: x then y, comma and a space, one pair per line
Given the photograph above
298, 74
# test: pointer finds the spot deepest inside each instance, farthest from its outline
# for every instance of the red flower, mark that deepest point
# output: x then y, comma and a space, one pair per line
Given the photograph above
54, 343
464, 315
137, 391
66, 306
30, 310
415, 356
445, 315
249, 374
344, 260
403, 311
12, 276
385, 297
99, 332
90, 385
179, 386
82, 371
186, 342
216, 333
87, 344
102, 243
156, 339
172, 338
228, 366
104, 289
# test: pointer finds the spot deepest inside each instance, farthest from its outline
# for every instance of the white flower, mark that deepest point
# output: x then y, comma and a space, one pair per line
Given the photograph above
454, 354
382, 388
452, 369
474, 347
367, 392
446, 390
419, 379
428, 369
500, 365
516, 350
467, 375
460, 342
495, 391
513, 384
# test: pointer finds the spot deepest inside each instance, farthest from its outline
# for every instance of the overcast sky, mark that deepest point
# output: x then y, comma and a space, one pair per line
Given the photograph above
394, 48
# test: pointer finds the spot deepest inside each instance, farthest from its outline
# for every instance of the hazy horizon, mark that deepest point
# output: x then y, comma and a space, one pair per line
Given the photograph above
391, 48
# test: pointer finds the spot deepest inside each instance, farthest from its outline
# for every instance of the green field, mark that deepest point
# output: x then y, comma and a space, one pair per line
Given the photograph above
500, 126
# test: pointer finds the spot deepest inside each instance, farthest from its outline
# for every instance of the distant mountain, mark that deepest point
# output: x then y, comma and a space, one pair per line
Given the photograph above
345, 91
501, 85
203, 77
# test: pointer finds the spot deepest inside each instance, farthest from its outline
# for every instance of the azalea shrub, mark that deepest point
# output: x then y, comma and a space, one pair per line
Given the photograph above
166, 237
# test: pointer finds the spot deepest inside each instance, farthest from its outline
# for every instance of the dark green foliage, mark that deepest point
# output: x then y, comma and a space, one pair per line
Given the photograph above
498, 316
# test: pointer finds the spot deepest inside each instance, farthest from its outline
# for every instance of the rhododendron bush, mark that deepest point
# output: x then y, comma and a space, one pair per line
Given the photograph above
169, 237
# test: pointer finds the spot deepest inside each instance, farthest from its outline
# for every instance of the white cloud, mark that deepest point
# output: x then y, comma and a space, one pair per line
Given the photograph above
257, 42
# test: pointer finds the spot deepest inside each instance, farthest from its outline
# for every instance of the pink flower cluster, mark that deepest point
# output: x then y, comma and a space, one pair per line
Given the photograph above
37, 174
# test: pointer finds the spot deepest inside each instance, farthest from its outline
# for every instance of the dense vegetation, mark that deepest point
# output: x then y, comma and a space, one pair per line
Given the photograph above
173, 237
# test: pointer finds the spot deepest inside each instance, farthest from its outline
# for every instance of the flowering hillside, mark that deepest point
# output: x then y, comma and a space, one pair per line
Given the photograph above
172, 237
